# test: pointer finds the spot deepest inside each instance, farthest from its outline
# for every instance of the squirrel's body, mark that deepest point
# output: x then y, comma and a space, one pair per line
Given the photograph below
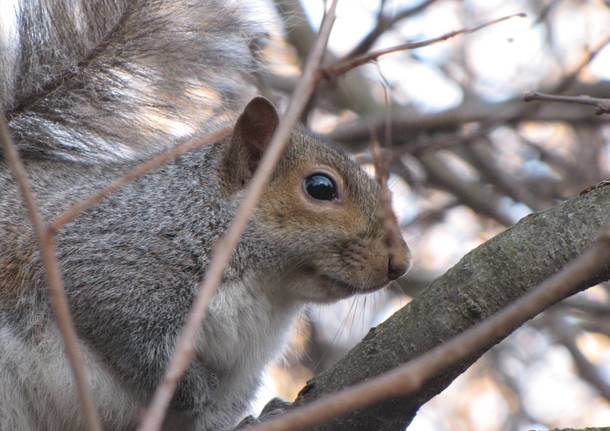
132, 264
116, 239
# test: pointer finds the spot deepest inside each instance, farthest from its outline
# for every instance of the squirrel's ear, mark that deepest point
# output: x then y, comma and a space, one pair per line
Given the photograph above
251, 135
257, 124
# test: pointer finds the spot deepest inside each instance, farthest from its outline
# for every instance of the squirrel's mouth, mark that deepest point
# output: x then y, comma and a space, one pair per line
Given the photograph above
335, 282
351, 288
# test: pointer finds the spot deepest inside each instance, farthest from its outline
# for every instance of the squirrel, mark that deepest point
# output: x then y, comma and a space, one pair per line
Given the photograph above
92, 87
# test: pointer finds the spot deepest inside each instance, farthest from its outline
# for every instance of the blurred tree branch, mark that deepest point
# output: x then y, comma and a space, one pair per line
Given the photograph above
353, 89
566, 335
341, 67
602, 105
472, 193
408, 123
385, 23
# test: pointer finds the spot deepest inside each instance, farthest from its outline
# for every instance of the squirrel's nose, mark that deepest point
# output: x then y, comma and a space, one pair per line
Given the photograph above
399, 260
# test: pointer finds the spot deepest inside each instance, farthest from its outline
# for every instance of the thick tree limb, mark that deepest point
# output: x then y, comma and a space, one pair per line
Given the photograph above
482, 283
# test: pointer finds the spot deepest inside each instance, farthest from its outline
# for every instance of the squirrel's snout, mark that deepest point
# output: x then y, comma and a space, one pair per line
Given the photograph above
399, 261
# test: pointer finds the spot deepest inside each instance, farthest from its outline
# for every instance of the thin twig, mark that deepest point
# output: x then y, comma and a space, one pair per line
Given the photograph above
341, 67
409, 377
140, 170
384, 23
223, 249
57, 294
602, 105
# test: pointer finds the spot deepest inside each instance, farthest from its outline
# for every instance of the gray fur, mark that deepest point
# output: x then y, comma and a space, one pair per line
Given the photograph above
115, 79
131, 266
81, 80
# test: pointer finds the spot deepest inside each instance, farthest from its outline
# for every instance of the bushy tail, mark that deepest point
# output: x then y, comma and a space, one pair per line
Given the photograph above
95, 80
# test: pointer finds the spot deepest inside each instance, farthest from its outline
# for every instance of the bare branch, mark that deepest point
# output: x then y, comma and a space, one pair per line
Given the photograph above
223, 249
432, 215
352, 91
483, 283
411, 376
57, 294
340, 68
602, 105
385, 23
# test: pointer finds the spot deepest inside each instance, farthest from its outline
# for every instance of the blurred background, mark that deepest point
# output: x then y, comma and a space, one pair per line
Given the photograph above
468, 158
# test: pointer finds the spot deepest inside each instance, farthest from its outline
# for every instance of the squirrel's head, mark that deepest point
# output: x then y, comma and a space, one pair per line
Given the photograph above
320, 212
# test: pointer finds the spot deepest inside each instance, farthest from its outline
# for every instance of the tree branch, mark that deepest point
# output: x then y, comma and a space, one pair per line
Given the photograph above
384, 23
579, 429
408, 123
341, 67
483, 283
602, 105
353, 90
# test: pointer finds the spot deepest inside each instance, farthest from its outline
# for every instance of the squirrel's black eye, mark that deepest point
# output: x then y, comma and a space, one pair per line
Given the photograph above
321, 187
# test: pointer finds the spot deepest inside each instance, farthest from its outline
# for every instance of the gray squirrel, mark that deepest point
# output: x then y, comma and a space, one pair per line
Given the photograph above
91, 88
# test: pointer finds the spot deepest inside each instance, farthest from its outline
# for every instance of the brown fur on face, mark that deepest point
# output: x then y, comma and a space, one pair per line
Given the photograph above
342, 242
320, 249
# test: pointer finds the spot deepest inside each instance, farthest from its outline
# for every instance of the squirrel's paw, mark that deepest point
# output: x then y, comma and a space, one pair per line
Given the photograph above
274, 408
246, 422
